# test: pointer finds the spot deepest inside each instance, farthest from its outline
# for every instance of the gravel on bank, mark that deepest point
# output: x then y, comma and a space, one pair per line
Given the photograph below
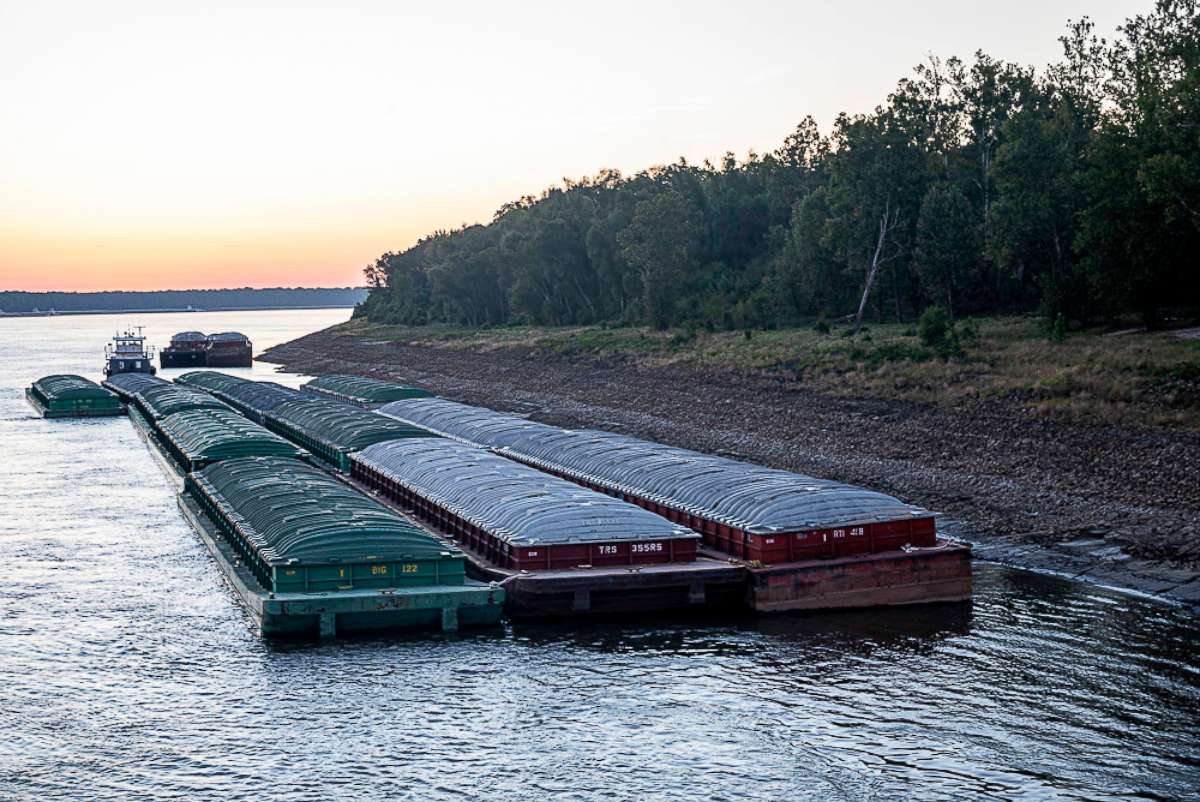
1111, 503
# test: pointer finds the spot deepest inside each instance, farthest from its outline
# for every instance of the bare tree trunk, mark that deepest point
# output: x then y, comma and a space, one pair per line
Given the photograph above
886, 224
591, 306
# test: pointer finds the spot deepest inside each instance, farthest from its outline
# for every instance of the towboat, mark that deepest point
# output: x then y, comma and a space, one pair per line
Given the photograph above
128, 353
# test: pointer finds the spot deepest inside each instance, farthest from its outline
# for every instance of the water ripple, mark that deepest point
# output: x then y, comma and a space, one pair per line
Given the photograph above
128, 670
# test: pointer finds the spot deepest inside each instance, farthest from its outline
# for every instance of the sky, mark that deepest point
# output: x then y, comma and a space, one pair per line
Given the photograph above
161, 144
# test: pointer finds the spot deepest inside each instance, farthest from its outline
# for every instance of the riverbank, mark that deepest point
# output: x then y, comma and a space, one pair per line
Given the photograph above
1098, 482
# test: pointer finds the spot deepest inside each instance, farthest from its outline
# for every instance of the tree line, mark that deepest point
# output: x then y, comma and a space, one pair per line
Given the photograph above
978, 186
15, 302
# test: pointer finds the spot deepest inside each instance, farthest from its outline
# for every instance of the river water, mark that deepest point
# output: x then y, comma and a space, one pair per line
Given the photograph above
128, 670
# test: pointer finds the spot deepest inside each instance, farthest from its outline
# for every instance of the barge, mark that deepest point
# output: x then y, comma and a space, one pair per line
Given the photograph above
128, 385
559, 549
159, 401
334, 431
807, 543
251, 398
71, 396
310, 555
800, 543
195, 349
185, 351
197, 438
362, 392
229, 349
301, 550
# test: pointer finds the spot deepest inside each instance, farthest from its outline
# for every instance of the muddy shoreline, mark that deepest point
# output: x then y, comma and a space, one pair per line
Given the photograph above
1116, 505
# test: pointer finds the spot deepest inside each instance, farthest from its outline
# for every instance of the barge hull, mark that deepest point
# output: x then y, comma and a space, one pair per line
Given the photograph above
918, 576
46, 412
702, 585
181, 359
445, 607
705, 583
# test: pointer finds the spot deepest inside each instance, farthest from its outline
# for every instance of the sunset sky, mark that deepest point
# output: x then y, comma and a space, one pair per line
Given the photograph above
164, 144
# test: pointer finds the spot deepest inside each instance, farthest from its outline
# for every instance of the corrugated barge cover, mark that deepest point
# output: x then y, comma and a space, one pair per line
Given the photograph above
362, 390
128, 385
161, 400
737, 495
65, 395
750, 497
474, 425
345, 426
518, 504
210, 380
290, 519
254, 398
202, 436
67, 386
332, 430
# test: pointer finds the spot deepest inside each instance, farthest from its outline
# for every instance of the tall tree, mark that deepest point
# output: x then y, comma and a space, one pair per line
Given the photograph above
661, 240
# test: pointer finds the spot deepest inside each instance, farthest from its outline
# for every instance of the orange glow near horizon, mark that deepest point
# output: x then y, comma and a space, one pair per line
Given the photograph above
148, 145
50, 260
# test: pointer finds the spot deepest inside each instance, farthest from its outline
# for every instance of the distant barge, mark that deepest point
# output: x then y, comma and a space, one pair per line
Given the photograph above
71, 396
195, 349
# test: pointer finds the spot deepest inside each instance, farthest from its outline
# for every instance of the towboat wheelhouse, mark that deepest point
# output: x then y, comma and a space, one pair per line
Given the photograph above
127, 353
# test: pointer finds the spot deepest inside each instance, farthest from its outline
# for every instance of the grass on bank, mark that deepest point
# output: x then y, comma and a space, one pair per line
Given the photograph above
1148, 378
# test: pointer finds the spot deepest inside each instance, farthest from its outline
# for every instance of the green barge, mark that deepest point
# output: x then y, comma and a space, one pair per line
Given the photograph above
71, 396
361, 391
307, 554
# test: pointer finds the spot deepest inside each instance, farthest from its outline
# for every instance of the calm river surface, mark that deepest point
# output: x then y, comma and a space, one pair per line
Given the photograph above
129, 671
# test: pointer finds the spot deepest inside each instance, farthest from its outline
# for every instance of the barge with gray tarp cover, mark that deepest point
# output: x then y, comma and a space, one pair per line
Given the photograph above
806, 542
559, 549
66, 395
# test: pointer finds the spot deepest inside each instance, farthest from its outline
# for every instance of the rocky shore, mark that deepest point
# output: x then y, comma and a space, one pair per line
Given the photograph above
1115, 504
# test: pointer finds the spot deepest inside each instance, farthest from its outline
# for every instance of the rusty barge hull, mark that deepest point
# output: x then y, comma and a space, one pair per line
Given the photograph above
919, 576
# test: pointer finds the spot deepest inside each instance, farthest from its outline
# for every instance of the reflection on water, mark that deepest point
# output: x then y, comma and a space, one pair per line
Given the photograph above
128, 669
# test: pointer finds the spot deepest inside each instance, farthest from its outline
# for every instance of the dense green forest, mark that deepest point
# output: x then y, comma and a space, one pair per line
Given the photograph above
162, 300
978, 186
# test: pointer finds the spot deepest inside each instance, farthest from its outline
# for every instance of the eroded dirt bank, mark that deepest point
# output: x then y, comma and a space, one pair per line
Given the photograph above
1116, 504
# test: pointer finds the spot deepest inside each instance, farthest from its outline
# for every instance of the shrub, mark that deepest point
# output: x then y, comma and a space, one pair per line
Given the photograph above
934, 326
821, 327
968, 332
1058, 330
937, 332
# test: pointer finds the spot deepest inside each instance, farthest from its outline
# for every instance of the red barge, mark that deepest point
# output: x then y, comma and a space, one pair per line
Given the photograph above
804, 542
558, 548
195, 349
